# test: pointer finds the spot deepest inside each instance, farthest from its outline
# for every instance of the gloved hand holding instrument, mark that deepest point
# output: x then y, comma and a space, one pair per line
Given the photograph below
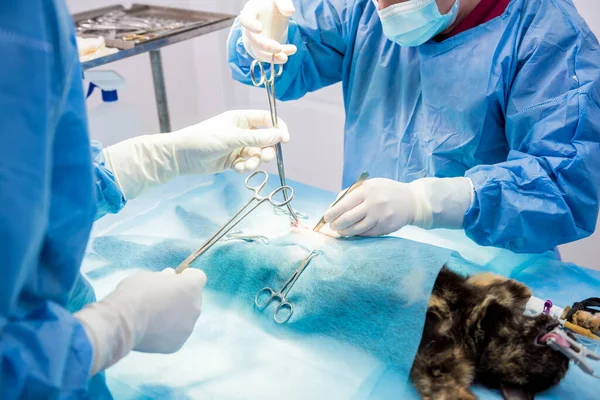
230, 140
265, 30
151, 312
265, 24
139, 315
383, 206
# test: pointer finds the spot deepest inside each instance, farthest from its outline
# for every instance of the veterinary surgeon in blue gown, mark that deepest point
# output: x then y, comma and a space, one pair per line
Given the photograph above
487, 129
52, 186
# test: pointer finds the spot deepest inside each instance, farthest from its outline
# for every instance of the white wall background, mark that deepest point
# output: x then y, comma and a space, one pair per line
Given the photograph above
199, 86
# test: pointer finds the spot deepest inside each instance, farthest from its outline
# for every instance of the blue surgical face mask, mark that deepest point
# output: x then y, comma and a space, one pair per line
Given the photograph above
414, 22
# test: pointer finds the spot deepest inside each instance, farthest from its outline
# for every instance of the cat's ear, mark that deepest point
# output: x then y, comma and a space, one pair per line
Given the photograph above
509, 292
515, 393
489, 315
518, 293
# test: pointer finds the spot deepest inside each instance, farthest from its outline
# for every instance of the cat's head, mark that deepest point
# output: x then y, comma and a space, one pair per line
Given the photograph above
510, 353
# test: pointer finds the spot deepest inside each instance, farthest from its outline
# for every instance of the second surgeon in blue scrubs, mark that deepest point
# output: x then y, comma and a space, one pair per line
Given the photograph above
474, 114
53, 186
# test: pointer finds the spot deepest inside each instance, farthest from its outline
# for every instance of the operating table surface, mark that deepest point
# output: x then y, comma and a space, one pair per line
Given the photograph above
237, 352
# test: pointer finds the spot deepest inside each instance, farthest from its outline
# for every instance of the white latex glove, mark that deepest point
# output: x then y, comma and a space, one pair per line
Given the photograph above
152, 312
383, 206
265, 29
229, 140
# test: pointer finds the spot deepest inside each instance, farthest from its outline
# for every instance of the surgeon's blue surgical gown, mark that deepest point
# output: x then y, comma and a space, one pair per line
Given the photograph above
47, 202
505, 104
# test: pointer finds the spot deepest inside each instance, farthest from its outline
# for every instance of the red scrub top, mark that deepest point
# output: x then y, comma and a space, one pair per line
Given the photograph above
483, 12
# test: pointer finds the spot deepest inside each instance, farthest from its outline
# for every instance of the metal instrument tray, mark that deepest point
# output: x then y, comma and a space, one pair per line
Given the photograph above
191, 24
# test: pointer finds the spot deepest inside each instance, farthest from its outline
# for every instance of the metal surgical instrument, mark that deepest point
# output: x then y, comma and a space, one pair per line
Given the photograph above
240, 215
269, 83
359, 181
282, 293
573, 350
280, 211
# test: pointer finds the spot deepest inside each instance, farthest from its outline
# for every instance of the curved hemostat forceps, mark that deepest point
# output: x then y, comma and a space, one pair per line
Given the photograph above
270, 295
281, 211
578, 353
240, 215
269, 84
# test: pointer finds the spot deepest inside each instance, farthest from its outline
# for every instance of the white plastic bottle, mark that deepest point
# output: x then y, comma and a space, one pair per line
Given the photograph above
110, 120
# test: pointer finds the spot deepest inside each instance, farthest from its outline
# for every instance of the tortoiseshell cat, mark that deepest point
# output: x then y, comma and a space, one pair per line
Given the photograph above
475, 331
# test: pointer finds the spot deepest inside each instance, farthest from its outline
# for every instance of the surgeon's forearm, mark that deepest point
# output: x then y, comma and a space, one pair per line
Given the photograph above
48, 356
109, 196
110, 333
238, 58
441, 202
527, 213
546, 193
140, 163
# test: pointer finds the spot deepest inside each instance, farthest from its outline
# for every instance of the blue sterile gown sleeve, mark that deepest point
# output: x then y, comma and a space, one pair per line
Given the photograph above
507, 104
47, 202
109, 197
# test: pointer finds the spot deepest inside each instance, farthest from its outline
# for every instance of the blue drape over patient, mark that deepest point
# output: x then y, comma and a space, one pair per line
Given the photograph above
355, 291
369, 293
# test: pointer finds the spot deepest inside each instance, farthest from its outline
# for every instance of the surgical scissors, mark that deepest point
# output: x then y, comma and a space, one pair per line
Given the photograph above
269, 83
233, 221
283, 292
